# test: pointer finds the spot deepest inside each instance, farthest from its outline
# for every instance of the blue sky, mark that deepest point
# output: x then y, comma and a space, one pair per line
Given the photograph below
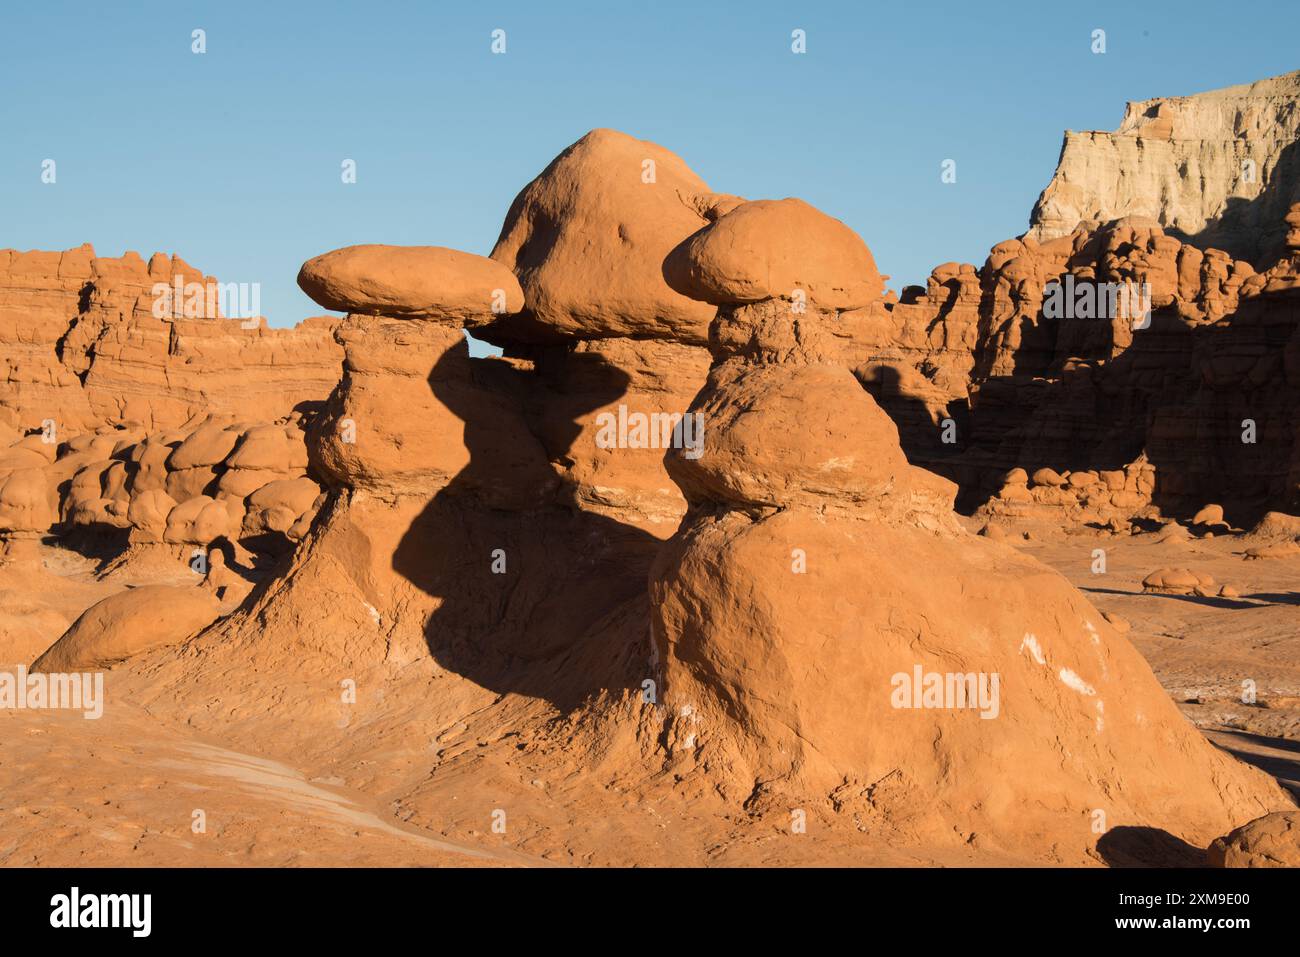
232, 158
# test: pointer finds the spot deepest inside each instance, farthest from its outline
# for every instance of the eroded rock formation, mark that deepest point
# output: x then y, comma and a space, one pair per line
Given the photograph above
817, 570
588, 237
1124, 416
1216, 169
686, 538
84, 347
139, 424
1270, 841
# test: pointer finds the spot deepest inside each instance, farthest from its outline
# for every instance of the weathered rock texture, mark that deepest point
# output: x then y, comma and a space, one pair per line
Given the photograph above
82, 348
816, 566
128, 623
1270, 841
992, 388
131, 410
412, 282
1216, 169
217, 478
451, 532
588, 238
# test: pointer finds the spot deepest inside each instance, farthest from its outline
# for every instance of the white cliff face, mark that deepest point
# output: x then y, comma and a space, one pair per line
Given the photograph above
1218, 169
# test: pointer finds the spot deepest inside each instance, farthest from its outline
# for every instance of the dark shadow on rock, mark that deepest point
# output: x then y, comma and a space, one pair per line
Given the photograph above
1211, 601
100, 543
1071, 405
923, 437
1147, 524
1253, 229
919, 435
544, 599
259, 563
1277, 598
1147, 847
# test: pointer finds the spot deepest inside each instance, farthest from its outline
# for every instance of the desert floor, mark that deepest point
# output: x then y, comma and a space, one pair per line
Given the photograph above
124, 789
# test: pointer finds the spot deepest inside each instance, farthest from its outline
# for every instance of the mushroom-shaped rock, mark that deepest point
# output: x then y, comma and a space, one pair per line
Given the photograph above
412, 282
1269, 841
776, 249
587, 239
128, 623
816, 569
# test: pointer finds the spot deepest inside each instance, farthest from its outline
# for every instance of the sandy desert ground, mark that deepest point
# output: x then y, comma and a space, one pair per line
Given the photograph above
122, 790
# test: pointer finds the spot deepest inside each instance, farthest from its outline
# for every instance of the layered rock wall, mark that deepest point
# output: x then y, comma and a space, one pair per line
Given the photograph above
1217, 169
83, 348
1020, 364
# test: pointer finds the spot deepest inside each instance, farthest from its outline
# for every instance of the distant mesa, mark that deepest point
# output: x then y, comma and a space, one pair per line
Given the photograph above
1216, 169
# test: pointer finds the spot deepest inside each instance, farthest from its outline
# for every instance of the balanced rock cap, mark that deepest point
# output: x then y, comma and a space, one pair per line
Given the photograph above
768, 249
588, 238
412, 282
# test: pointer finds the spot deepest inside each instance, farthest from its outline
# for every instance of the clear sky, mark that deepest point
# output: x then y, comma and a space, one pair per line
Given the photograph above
232, 158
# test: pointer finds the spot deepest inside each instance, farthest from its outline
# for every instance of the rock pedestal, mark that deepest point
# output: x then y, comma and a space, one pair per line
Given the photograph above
828, 633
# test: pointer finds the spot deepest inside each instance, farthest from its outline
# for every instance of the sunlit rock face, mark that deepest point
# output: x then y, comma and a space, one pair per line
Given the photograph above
1219, 169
